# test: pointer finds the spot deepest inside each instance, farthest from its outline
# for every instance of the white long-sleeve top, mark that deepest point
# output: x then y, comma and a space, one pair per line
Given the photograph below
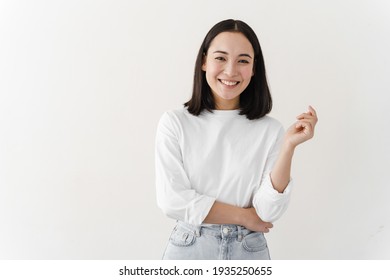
220, 156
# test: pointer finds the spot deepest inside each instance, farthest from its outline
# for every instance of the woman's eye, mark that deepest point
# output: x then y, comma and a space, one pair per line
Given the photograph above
220, 58
243, 61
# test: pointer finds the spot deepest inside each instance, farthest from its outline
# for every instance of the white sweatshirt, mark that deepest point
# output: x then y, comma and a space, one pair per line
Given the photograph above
220, 156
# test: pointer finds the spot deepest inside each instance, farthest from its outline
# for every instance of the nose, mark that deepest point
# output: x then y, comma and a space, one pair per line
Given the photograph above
230, 69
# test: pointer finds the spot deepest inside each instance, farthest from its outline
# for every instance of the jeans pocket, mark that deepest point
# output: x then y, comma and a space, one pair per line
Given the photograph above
182, 237
254, 242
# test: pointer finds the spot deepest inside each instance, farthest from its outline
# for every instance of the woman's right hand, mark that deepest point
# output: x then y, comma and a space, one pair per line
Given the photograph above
253, 222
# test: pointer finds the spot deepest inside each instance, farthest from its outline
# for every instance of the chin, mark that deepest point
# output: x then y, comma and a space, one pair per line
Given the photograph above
228, 96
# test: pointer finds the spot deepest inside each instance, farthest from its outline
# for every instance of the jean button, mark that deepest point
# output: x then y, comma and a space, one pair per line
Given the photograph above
225, 230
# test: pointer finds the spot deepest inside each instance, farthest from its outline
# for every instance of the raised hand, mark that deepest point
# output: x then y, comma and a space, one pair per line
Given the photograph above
303, 129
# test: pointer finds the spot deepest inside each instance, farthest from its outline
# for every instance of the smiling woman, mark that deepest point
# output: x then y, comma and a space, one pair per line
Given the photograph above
229, 67
222, 165
255, 98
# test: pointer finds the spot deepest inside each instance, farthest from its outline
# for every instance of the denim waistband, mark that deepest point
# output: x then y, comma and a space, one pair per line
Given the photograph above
223, 230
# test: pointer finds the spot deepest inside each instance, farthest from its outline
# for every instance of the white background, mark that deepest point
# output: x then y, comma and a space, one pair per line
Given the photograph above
83, 84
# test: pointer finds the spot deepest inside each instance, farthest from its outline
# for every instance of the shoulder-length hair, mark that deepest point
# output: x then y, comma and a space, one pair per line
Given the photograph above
255, 100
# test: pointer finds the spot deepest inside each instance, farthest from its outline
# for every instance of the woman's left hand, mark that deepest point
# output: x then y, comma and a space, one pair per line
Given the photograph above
303, 129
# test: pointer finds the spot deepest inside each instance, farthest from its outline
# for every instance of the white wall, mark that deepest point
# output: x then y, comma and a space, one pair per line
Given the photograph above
83, 84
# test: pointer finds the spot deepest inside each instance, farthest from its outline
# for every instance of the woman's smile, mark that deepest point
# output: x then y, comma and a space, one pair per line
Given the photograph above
229, 83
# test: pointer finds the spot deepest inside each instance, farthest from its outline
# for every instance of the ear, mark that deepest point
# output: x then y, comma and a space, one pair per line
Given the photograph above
204, 59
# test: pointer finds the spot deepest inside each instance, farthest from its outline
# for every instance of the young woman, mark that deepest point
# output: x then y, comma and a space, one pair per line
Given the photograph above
222, 165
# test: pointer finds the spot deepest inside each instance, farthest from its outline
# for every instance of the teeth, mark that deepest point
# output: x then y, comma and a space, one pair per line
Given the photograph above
229, 83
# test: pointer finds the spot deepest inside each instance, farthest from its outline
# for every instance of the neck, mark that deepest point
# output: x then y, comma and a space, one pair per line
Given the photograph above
227, 105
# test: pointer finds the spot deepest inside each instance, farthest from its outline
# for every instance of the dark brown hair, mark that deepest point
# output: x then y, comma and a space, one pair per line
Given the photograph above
255, 100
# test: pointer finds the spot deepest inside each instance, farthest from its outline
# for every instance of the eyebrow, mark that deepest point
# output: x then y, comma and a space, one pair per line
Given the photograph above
243, 54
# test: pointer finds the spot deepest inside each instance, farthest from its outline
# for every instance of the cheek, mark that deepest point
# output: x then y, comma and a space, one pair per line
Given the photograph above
213, 69
247, 73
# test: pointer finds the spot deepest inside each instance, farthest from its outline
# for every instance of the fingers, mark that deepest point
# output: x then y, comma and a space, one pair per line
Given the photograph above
265, 230
309, 118
305, 127
305, 116
264, 226
255, 223
312, 111
267, 226
304, 124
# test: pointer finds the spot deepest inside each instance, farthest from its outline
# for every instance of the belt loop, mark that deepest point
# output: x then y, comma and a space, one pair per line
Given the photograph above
239, 234
197, 231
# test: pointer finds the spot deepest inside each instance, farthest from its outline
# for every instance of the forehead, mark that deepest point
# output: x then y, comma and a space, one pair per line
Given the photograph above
232, 43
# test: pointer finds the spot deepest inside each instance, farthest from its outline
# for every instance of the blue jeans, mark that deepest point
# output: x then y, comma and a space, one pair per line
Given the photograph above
215, 242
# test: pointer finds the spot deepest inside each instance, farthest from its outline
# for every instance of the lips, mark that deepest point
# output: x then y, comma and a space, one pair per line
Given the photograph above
228, 83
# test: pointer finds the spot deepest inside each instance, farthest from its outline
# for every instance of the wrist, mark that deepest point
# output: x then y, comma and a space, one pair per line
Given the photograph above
241, 216
288, 147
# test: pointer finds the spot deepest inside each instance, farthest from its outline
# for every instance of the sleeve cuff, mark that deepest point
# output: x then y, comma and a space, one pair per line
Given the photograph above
269, 203
199, 210
267, 190
270, 188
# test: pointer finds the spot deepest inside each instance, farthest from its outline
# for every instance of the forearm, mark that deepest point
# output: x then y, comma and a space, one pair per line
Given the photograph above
281, 173
222, 213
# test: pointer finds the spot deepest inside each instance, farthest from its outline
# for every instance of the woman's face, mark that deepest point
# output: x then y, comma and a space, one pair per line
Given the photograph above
229, 68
